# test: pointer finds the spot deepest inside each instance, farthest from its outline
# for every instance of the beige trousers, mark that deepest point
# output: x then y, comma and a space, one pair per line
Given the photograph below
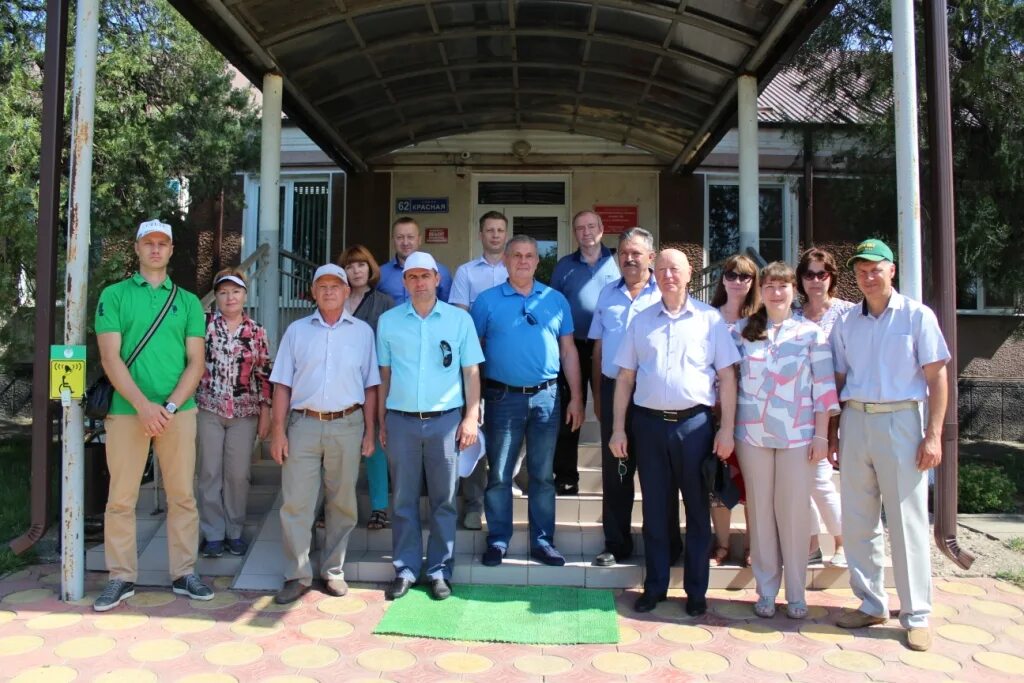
778, 484
127, 450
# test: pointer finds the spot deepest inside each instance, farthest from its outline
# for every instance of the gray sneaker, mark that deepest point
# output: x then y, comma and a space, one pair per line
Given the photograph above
116, 591
191, 586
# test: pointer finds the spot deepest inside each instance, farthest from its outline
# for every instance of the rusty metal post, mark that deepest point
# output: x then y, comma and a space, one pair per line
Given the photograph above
940, 151
908, 175
79, 227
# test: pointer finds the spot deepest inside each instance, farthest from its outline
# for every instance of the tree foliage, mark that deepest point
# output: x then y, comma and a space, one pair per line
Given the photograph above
853, 49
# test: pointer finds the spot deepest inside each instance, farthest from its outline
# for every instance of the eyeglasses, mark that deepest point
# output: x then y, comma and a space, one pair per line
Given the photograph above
529, 316
820, 275
733, 276
446, 353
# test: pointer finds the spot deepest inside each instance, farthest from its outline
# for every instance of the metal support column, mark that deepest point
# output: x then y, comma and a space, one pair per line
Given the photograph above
746, 97
270, 209
80, 192
908, 181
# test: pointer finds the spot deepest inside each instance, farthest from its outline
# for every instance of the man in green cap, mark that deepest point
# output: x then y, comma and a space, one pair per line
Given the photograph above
890, 360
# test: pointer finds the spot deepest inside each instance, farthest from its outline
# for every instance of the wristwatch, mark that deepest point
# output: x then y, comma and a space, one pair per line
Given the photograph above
171, 407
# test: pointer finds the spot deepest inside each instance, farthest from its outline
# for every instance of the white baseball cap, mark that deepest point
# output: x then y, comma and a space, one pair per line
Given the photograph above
330, 269
152, 226
419, 259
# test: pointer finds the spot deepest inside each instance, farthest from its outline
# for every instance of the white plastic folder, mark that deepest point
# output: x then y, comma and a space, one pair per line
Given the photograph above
471, 456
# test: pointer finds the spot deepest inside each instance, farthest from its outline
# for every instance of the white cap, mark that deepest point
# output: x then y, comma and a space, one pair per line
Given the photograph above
230, 278
152, 226
330, 269
419, 259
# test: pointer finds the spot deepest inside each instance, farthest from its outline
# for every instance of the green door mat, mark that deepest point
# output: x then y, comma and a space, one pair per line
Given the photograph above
538, 615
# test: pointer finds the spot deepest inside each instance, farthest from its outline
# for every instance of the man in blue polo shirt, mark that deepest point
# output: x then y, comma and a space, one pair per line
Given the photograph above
429, 356
526, 329
405, 234
580, 277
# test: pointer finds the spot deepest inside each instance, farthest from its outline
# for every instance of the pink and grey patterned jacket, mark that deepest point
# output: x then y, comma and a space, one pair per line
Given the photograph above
237, 377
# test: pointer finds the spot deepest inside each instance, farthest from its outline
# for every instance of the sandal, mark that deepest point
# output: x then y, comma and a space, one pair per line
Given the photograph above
719, 555
765, 607
378, 520
796, 610
746, 558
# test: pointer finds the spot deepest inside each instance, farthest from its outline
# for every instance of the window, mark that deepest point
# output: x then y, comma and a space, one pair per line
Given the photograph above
722, 233
973, 296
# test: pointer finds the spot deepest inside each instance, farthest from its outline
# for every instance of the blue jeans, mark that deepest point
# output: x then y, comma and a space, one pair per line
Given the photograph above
509, 418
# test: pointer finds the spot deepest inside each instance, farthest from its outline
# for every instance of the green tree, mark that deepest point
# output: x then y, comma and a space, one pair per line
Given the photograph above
851, 53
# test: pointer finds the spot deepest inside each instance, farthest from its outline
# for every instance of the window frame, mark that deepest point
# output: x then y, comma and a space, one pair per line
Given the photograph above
789, 184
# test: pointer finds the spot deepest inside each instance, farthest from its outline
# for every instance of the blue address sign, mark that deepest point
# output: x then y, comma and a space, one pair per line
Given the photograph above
421, 205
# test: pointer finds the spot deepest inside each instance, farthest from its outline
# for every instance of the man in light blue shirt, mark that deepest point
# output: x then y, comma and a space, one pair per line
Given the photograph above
405, 235
526, 330
580, 277
429, 358
890, 358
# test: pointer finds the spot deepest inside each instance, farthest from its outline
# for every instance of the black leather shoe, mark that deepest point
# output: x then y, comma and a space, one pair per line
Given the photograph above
605, 559
440, 589
647, 602
399, 587
549, 555
492, 556
695, 608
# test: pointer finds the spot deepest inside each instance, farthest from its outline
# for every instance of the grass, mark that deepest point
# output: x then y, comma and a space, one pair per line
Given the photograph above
1016, 545
14, 501
1015, 577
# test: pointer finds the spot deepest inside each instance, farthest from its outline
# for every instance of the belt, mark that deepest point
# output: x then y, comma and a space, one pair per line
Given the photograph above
520, 390
893, 407
327, 417
422, 416
672, 415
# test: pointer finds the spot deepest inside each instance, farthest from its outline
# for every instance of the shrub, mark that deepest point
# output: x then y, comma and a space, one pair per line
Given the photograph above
985, 488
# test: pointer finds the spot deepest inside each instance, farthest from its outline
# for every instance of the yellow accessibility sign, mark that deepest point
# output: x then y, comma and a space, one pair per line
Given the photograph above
67, 372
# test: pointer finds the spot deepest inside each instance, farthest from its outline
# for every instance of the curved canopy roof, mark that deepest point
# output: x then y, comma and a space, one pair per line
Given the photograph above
365, 77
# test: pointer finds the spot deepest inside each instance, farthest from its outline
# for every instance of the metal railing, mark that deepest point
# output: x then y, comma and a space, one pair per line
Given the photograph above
702, 284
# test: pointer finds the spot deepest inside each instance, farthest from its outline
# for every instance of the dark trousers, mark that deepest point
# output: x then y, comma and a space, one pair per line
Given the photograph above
567, 447
669, 457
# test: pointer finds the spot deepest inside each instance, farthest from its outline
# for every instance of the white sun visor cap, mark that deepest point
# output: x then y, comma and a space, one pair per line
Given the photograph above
330, 269
230, 278
419, 259
149, 227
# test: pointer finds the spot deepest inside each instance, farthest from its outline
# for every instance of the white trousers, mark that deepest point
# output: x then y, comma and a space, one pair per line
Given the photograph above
825, 506
878, 456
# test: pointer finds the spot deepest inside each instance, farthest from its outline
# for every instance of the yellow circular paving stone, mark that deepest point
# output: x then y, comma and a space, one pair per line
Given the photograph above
688, 635
127, 676
669, 611
1000, 661
725, 594
816, 612
6, 616
158, 650
621, 663
190, 623
342, 605
208, 678
996, 609
463, 663
233, 654
151, 599
697, 662
86, 600
48, 579
27, 596
776, 662
266, 604
929, 661
220, 601
734, 610
120, 621
941, 610
756, 633
542, 665
385, 659
19, 645
1009, 588
961, 633
19, 575
840, 592
851, 660
289, 679
47, 622
1015, 631
826, 633
46, 674
222, 582
83, 648
257, 626
628, 635
309, 656
326, 628
959, 588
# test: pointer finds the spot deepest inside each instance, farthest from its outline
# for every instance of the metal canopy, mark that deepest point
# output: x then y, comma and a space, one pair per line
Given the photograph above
366, 77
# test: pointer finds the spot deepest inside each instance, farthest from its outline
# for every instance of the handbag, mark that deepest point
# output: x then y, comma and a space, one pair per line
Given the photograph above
100, 395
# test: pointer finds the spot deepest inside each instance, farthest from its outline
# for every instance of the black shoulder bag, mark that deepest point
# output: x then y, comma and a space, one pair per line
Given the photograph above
101, 394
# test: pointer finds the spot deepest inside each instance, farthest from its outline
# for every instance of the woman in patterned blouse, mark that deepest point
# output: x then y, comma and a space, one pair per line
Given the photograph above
234, 407
786, 394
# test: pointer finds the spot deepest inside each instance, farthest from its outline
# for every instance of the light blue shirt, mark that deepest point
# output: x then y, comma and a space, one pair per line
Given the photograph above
882, 357
519, 353
582, 283
474, 277
416, 348
392, 284
676, 357
327, 366
615, 310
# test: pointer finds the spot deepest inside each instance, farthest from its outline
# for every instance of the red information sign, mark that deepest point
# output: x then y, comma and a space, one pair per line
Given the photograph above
437, 235
618, 219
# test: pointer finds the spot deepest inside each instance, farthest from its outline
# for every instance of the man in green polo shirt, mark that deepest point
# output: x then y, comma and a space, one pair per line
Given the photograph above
152, 403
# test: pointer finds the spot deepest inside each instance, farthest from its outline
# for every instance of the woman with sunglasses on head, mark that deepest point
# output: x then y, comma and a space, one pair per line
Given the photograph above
787, 392
736, 297
816, 281
367, 303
